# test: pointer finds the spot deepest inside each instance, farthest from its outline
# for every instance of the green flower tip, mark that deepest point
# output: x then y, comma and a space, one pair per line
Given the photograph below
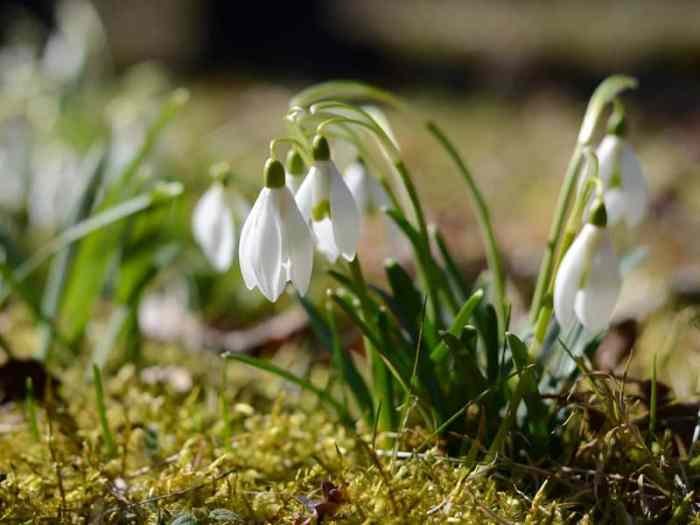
221, 172
599, 216
274, 174
321, 150
295, 164
617, 124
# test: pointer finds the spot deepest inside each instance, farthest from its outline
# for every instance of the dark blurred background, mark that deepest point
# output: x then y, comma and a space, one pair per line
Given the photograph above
511, 47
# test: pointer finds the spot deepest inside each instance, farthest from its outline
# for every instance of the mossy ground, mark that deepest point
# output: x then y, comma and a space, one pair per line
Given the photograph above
202, 442
226, 454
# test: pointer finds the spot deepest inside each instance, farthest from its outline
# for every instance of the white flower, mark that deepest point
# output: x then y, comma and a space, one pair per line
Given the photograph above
276, 245
328, 205
625, 188
213, 227
588, 282
368, 193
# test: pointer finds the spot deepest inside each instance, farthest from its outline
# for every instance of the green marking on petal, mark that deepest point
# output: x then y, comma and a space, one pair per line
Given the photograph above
321, 210
615, 179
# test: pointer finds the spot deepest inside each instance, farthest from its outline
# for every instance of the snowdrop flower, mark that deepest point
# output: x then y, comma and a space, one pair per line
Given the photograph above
368, 193
213, 226
276, 245
328, 205
295, 171
588, 282
624, 185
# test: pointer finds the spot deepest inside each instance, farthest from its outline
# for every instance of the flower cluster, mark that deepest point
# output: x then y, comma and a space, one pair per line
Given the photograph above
588, 281
294, 212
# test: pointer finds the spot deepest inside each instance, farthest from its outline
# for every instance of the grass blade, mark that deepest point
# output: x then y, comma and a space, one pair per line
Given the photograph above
348, 371
462, 318
493, 252
61, 265
346, 90
107, 436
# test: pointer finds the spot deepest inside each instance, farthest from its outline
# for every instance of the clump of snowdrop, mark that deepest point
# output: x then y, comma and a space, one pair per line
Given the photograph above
276, 244
328, 205
625, 188
368, 193
588, 281
213, 224
296, 169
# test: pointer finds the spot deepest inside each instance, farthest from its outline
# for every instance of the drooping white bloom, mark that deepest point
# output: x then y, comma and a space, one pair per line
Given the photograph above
276, 245
588, 282
213, 227
328, 205
295, 171
368, 193
625, 189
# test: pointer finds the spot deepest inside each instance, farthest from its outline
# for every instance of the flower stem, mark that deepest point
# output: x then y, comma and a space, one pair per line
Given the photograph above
548, 261
493, 255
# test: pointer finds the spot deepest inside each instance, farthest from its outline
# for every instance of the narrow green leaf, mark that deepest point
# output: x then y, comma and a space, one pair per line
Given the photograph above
318, 325
93, 169
350, 310
348, 371
453, 270
486, 322
537, 413
97, 252
407, 300
421, 249
107, 436
346, 90
462, 318
483, 216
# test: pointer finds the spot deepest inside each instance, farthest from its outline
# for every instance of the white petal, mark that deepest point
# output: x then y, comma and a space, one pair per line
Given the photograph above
245, 247
299, 242
267, 250
325, 239
596, 301
608, 152
344, 216
303, 196
568, 277
634, 184
378, 196
355, 177
627, 201
213, 228
293, 182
